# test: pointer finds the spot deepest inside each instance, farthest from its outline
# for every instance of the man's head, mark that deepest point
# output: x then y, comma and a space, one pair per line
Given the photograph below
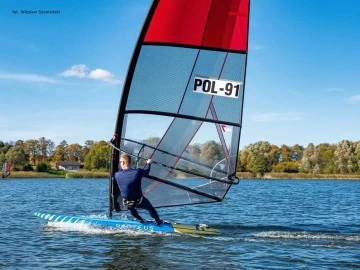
125, 161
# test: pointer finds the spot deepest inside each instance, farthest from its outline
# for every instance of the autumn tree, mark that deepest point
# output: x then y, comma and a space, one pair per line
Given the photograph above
344, 157
50, 148
74, 152
32, 149
20, 143
357, 155
272, 157
45, 150
196, 149
310, 160
297, 152
60, 153
42, 149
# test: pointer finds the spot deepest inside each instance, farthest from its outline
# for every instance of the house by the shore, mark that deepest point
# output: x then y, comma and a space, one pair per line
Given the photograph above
68, 165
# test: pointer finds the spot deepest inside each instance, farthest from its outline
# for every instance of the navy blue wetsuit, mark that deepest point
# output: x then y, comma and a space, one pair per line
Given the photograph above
129, 183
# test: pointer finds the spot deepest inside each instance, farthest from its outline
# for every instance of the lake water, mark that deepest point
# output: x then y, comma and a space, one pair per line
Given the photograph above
265, 224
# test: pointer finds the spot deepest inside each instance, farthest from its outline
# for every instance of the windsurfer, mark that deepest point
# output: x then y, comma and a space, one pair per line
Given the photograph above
129, 183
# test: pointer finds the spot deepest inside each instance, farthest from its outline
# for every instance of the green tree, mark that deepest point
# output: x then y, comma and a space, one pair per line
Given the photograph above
242, 162
258, 155
326, 158
3, 151
98, 156
42, 167
211, 151
287, 167
4, 147
17, 158
85, 149
285, 153
259, 165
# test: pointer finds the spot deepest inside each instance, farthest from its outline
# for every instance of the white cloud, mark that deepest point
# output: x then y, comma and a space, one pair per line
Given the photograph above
354, 99
100, 74
276, 117
103, 75
79, 71
27, 77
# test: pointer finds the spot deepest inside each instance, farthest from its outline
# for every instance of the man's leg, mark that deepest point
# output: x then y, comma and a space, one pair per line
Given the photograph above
136, 215
145, 204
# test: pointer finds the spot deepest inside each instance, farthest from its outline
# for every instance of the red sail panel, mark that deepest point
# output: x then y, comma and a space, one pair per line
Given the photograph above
201, 23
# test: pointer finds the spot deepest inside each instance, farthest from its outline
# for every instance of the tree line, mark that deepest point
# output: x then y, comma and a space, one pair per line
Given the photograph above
324, 158
42, 154
257, 158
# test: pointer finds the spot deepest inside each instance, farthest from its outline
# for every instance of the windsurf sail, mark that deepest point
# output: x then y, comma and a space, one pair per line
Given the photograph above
5, 172
182, 101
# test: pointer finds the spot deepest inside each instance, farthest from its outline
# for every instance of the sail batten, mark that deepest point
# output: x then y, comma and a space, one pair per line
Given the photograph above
182, 101
210, 120
168, 153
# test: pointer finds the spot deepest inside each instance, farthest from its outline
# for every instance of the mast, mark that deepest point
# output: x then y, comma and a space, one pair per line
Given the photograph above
114, 162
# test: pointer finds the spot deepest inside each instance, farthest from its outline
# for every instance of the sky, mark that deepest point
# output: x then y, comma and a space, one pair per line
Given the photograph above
61, 74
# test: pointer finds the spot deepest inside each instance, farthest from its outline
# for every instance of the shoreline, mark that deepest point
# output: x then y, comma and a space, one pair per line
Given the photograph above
298, 176
241, 175
57, 174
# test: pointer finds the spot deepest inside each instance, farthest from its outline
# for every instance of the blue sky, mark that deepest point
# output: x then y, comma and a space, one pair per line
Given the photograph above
61, 74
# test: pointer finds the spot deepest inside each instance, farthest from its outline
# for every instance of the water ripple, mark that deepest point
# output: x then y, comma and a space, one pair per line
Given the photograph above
264, 225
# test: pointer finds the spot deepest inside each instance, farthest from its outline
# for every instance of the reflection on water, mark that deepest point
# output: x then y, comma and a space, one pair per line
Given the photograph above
138, 252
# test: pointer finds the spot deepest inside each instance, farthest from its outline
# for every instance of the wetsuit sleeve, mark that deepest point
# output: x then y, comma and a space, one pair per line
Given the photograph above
146, 170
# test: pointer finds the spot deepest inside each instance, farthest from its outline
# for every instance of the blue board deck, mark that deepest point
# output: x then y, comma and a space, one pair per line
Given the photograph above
147, 226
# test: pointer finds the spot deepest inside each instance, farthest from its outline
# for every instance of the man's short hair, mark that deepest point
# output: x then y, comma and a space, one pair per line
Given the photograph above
126, 157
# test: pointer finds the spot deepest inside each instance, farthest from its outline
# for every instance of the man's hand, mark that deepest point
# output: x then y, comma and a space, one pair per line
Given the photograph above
149, 161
